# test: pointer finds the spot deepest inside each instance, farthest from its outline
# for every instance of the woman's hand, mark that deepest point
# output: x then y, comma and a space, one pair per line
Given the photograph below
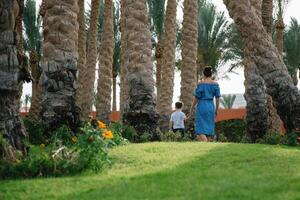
216, 113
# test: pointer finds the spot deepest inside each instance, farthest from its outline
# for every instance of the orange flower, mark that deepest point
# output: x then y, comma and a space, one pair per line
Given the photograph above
107, 134
42, 146
74, 139
101, 125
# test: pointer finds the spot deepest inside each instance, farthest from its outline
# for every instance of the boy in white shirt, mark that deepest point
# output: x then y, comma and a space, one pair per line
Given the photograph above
177, 119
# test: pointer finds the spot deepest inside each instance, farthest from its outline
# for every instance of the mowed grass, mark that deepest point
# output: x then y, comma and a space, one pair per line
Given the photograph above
177, 171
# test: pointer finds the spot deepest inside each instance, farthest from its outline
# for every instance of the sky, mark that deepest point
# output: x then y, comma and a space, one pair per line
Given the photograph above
234, 84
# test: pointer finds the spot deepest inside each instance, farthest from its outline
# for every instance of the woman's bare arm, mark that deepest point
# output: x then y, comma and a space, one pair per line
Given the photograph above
194, 103
217, 105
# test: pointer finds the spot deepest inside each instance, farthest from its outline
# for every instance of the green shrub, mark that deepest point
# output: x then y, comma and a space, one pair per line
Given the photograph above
222, 138
292, 139
170, 136
232, 130
272, 138
124, 131
246, 139
65, 154
37, 131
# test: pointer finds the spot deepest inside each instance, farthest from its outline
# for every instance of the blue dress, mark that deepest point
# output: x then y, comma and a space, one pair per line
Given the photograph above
205, 111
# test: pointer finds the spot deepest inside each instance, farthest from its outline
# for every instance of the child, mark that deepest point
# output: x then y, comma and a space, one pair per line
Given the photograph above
177, 119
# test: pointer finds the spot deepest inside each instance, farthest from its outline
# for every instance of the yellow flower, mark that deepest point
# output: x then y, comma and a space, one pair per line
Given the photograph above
74, 139
107, 134
42, 146
101, 125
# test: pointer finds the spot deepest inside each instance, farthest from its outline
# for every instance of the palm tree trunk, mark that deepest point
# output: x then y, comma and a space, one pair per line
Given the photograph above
11, 126
159, 59
141, 113
164, 103
189, 52
20, 49
267, 18
60, 64
280, 86
114, 103
267, 14
124, 90
82, 68
103, 104
89, 78
279, 35
35, 108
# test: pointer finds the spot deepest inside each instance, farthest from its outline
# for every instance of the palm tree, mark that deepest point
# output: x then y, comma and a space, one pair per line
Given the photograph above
141, 112
269, 64
213, 30
117, 54
157, 18
82, 67
11, 126
227, 101
292, 49
279, 23
33, 45
124, 90
89, 77
189, 51
255, 92
164, 103
60, 64
103, 106
19, 32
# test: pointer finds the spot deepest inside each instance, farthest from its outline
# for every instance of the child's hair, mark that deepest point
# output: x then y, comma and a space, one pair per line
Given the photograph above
207, 71
178, 105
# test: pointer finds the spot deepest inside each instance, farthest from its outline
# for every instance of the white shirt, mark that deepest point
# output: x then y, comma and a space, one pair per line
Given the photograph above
178, 118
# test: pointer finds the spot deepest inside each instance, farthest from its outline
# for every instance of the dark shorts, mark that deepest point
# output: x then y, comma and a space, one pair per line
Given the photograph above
181, 130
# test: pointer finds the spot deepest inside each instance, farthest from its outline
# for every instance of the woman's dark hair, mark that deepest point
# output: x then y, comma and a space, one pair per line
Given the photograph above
207, 71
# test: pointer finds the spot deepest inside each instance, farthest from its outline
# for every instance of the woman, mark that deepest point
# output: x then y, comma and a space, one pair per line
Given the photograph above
206, 91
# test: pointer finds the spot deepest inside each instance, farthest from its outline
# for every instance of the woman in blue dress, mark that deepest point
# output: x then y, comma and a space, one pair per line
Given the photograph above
206, 91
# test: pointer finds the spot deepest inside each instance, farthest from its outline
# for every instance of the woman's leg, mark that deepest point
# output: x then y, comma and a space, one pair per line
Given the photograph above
202, 138
209, 138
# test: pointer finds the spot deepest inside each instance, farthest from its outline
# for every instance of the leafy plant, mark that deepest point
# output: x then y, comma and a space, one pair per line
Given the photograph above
232, 130
227, 101
272, 138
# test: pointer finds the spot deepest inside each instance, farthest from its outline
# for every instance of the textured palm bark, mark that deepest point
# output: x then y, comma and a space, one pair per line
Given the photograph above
114, 102
189, 52
279, 34
165, 98
11, 126
35, 107
82, 68
124, 90
270, 65
103, 105
267, 14
59, 64
89, 78
159, 65
141, 113
260, 111
267, 20
20, 42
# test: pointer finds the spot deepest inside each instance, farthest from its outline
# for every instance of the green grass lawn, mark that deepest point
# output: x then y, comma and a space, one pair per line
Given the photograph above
177, 171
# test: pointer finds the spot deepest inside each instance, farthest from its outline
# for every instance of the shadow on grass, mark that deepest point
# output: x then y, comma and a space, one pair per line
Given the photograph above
226, 172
